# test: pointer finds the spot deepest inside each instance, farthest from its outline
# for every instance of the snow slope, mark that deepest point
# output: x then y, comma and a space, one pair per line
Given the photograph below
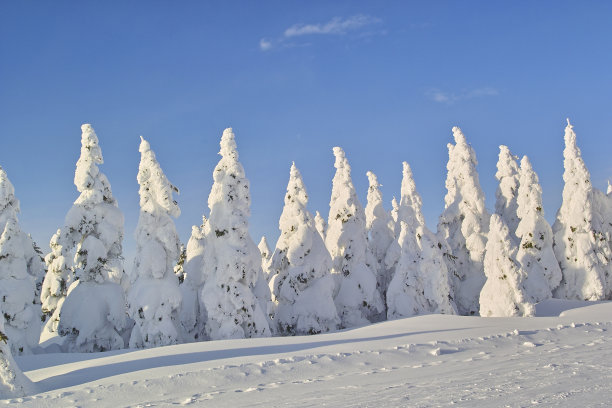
563, 358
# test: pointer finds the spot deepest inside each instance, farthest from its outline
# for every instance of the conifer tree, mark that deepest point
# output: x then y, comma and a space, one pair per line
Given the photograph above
192, 316
507, 189
13, 383
380, 233
154, 296
580, 242
420, 282
92, 316
464, 225
235, 294
21, 272
321, 225
266, 255
301, 281
535, 251
503, 294
357, 300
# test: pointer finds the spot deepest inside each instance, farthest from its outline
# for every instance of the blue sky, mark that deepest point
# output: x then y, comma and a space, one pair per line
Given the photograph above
384, 80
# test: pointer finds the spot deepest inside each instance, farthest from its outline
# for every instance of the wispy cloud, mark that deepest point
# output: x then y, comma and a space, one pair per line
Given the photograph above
449, 98
335, 26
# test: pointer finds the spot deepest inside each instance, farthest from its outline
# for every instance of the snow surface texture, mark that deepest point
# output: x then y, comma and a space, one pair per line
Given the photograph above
503, 294
464, 225
154, 297
300, 278
21, 274
434, 360
581, 236
223, 263
357, 299
86, 259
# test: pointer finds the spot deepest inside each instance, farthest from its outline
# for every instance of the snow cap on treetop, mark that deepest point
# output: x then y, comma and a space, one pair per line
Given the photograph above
458, 135
609, 188
372, 179
7, 191
228, 144
144, 145
89, 141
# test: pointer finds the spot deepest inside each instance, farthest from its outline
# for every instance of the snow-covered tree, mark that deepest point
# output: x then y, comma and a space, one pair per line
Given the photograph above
235, 294
464, 225
507, 190
357, 300
192, 316
93, 313
13, 383
300, 277
504, 293
266, 254
580, 242
420, 282
394, 216
321, 225
154, 296
380, 232
21, 269
535, 251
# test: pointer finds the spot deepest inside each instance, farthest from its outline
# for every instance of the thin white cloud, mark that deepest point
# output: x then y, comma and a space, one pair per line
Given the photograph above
336, 25
449, 98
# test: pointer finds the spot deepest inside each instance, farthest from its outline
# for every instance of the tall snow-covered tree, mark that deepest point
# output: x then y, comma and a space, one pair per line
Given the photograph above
13, 383
301, 281
321, 225
464, 225
580, 241
235, 294
420, 282
21, 270
380, 232
507, 189
154, 297
93, 314
535, 251
357, 300
504, 293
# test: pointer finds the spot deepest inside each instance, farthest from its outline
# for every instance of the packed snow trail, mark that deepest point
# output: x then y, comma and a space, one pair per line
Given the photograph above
433, 360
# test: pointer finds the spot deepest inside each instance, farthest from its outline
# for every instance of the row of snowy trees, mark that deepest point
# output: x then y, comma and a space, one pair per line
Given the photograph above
362, 265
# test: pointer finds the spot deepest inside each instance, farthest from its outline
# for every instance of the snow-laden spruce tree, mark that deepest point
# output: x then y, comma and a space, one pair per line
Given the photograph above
535, 251
320, 225
154, 296
266, 254
504, 293
21, 270
580, 241
13, 383
193, 318
300, 276
507, 189
357, 300
464, 225
420, 281
235, 294
380, 232
93, 313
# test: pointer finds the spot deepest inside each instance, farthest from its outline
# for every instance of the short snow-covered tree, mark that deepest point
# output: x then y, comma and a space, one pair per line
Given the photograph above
154, 296
235, 294
464, 225
580, 242
300, 277
13, 383
535, 251
266, 254
93, 314
321, 225
357, 300
21, 269
380, 232
507, 189
192, 316
420, 282
504, 293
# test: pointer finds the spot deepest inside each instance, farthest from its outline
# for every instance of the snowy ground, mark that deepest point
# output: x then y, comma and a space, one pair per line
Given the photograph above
563, 358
